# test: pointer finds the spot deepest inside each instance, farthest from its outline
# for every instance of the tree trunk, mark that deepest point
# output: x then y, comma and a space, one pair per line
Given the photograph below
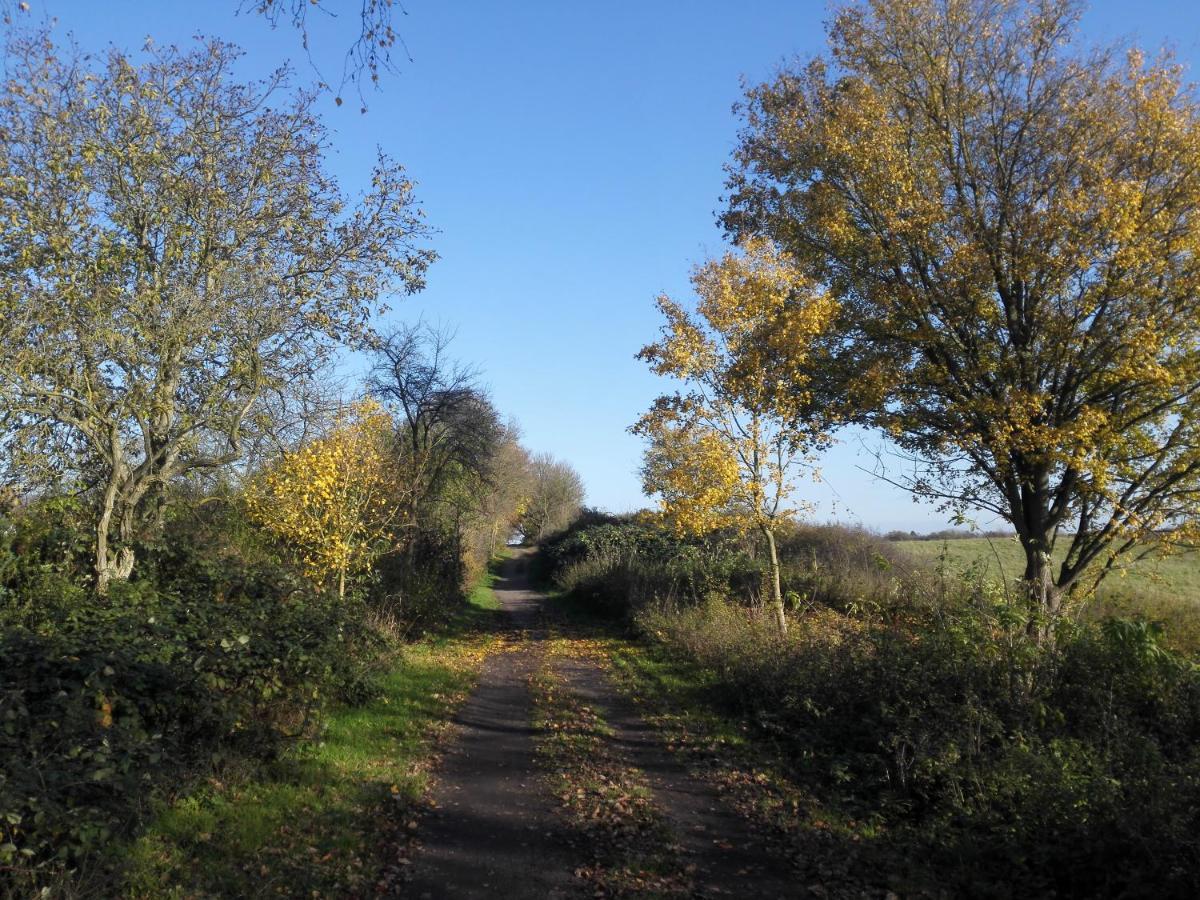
1044, 597
776, 588
111, 565
342, 583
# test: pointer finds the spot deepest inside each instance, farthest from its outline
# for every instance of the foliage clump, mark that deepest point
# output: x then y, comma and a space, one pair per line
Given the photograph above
215, 653
977, 759
333, 499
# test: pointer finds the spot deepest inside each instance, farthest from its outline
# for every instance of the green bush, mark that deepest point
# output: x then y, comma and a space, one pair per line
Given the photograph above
619, 565
214, 653
418, 588
1071, 771
997, 765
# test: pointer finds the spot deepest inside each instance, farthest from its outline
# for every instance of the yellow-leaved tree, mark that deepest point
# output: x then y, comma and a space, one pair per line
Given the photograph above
723, 451
335, 499
1010, 223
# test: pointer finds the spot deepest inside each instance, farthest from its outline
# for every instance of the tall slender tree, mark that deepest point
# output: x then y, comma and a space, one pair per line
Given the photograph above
724, 451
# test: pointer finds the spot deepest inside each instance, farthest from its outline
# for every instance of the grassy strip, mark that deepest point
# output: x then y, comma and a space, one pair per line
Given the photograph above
327, 819
607, 802
835, 853
483, 595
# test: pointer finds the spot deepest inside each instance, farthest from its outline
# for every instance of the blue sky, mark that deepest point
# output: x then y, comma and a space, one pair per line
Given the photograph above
570, 155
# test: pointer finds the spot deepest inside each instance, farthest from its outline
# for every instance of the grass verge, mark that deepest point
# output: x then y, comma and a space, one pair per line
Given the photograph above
328, 818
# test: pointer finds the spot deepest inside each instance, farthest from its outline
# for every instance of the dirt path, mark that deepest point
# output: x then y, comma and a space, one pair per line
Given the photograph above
493, 831
496, 831
725, 856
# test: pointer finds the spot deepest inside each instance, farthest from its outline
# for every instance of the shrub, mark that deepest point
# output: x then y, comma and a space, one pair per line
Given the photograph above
215, 653
998, 766
418, 586
1071, 771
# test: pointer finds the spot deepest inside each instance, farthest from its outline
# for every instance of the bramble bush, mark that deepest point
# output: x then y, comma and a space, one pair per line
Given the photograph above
997, 765
213, 654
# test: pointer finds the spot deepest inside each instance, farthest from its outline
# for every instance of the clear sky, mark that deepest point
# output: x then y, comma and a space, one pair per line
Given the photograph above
570, 154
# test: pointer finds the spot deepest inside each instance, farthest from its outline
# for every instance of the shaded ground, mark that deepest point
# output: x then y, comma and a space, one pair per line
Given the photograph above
718, 848
492, 832
497, 830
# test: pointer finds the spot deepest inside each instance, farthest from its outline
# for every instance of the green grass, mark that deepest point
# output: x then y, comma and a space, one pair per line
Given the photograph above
1166, 590
321, 820
1174, 577
483, 595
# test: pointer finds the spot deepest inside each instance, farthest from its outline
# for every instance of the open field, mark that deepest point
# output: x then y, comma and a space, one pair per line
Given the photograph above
1151, 581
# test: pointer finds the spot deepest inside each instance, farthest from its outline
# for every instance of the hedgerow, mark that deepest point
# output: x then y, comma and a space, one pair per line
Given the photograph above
216, 654
996, 764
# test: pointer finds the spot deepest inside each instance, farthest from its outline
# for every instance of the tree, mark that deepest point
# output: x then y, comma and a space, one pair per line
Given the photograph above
447, 428
171, 250
723, 453
509, 486
555, 498
334, 500
1010, 226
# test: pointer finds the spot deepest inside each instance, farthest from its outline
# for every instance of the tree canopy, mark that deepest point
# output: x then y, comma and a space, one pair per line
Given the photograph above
554, 498
447, 430
1009, 224
173, 251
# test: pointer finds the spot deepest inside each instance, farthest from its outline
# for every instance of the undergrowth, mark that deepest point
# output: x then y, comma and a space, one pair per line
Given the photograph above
914, 728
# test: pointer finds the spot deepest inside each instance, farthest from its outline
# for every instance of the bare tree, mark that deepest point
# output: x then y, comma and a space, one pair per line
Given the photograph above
369, 54
555, 498
447, 428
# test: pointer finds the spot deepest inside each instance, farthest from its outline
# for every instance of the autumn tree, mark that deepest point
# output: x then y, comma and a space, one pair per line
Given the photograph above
554, 499
171, 251
723, 451
1010, 225
509, 486
335, 499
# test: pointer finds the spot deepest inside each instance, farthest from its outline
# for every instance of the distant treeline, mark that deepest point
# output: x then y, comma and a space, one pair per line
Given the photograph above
946, 534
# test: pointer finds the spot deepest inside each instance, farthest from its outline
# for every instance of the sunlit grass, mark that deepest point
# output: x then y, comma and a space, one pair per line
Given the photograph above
483, 596
1163, 589
1175, 577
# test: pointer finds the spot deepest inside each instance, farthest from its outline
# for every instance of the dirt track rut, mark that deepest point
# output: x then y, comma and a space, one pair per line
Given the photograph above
494, 829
